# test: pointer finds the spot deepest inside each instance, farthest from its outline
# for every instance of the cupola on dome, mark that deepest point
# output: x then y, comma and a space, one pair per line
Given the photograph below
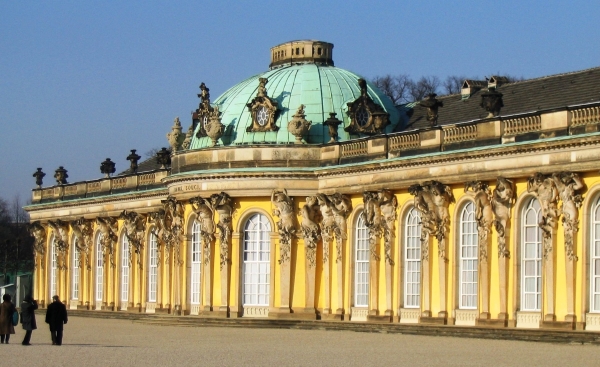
301, 87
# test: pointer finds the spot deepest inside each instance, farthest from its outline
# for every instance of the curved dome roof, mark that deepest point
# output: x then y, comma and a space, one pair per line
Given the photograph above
320, 88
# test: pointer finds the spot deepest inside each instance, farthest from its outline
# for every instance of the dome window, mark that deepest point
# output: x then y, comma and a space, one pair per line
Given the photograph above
362, 116
262, 116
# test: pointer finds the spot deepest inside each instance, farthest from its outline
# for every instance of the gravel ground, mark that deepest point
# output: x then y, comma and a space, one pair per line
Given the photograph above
108, 342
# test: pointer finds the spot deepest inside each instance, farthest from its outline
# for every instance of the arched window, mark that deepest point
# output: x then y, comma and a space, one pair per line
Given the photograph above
361, 263
75, 270
124, 268
531, 257
53, 267
99, 268
257, 263
468, 253
595, 259
152, 268
412, 260
196, 262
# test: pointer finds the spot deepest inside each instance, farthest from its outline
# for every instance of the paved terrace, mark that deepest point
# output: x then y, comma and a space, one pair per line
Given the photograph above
106, 341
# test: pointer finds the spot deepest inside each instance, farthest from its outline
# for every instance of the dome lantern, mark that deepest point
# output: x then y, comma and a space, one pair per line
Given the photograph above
302, 52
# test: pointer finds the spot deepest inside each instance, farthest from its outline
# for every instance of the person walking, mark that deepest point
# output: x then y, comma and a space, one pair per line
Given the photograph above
6, 315
56, 317
28, 306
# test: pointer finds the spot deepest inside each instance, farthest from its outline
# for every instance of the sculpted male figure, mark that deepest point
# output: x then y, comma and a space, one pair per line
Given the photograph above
56, 317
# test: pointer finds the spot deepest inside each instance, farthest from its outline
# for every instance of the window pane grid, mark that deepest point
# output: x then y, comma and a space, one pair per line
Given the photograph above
153, 268
412, 260
595, 260
196, 262
53, 266
361, 264
468, 261
99, 268
124, 269
531, 259
257, 263
75, 287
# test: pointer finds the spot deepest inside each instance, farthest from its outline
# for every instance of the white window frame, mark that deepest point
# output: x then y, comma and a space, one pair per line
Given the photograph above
99, 269
468, 259
53, 267
152, 268
531, 263
361, 257
125, 271
256, 257
595, 258
196, 262
412, 260
75, 275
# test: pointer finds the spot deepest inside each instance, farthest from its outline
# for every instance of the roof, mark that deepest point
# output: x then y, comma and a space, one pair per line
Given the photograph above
321, 89
546, 93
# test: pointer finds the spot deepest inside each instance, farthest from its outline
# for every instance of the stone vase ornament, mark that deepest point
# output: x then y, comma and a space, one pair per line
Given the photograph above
299, 126
175, 136
214, 127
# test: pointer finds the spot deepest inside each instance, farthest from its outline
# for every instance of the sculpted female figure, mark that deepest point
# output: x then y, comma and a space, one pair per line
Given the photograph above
284, 209
503, 198
204, 217
568, 184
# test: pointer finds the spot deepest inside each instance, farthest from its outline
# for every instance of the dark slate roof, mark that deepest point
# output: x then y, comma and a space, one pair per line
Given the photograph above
147, 165
546, 93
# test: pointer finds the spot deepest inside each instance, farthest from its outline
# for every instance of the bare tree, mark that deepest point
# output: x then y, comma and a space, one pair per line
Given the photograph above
453, 84
151, 153
396, 87
423, 87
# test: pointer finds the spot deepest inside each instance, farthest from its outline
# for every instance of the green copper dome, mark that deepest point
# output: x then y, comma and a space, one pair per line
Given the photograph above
320, 88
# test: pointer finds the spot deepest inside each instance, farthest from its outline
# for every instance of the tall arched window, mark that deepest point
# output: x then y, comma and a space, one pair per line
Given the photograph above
124, 268
152, 268
196, 262
412, 260
531, 257
53, 267
361, 263
468, 258
257, 263
595, 259
99, 268
75, 270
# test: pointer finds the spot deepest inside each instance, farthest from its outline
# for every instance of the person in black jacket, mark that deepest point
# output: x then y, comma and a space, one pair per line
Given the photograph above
56, 317
28, 306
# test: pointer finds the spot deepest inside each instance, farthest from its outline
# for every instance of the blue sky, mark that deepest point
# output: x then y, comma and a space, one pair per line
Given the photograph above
81, 81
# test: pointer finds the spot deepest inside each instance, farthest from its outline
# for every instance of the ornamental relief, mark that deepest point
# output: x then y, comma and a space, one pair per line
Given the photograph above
366, 116
61, 240
83, 237
203, 112
108, 227
169, 228
263, 110
379, 216
284, 209
38, 232
134, 225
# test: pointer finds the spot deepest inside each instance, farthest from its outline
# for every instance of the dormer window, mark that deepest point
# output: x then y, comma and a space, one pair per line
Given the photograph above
362, 116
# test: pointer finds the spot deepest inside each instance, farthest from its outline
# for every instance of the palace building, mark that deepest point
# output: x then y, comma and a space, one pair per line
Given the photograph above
304, 192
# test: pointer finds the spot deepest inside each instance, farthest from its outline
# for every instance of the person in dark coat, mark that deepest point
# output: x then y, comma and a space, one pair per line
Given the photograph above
56, 317
6, 315
28, 306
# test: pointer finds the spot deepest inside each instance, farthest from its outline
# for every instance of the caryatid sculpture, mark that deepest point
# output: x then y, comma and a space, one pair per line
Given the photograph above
284, 209
61, 240
82, 236
205, 218
484, 216
342, 206
223, 205
372, 217
327, 224
503, 198
172, 227
311, 215
108, 232
135, 228
545, 190
568, 184
38, 232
